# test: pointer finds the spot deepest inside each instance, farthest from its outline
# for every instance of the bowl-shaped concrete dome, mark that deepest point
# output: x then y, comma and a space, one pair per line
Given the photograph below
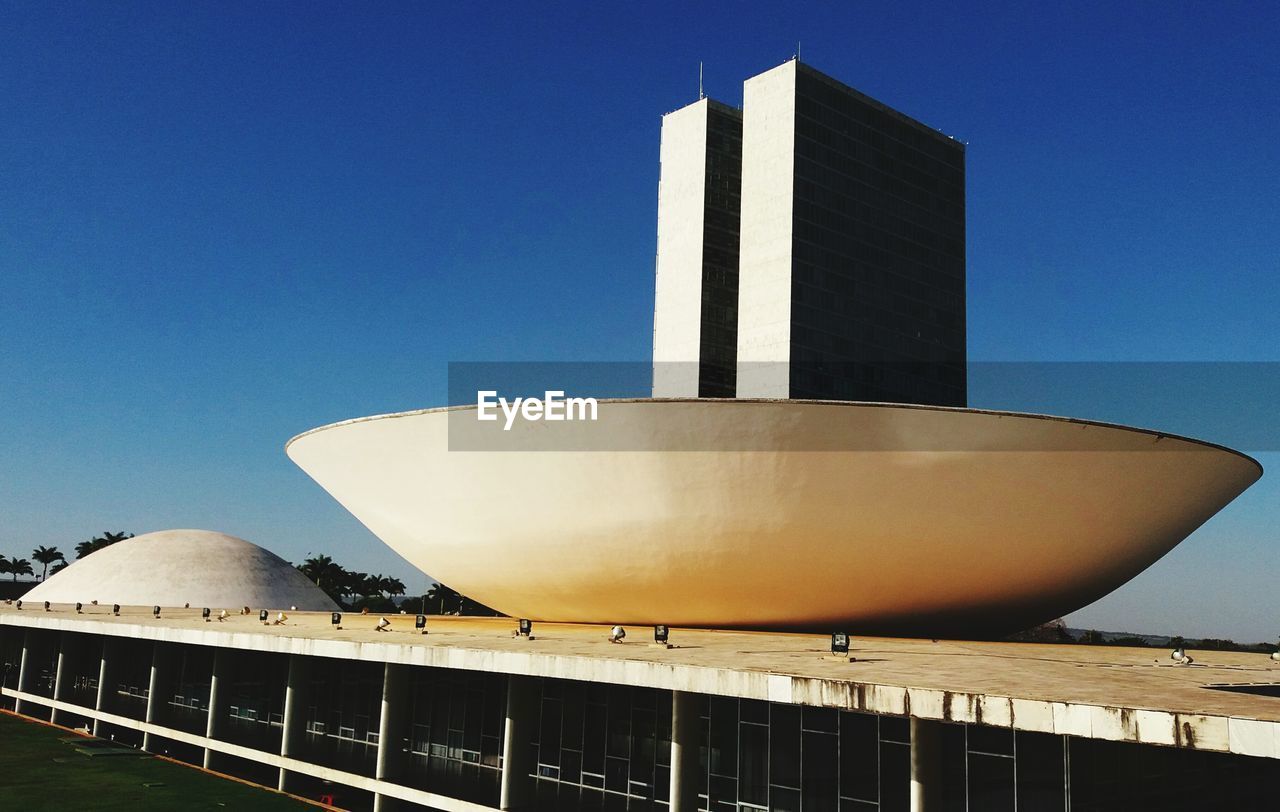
177, 567
776, 514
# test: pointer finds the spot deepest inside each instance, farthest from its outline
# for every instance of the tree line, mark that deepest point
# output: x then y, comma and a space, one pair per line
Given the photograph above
352, 589
52, 560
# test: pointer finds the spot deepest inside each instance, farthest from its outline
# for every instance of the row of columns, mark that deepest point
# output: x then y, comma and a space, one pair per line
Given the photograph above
522, 716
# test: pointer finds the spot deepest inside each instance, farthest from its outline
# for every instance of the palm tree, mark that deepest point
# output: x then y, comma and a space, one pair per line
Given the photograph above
20, 566
442, 596
355, 583
4, 565
46, 556
330, 577
99, 542
390, 586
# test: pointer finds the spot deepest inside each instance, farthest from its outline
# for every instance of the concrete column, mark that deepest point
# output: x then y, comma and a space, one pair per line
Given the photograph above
100, 704
686, 738
58, 672
153, 684
926, 765
217, 708
523, 696
393, 721
24, 667
294, 712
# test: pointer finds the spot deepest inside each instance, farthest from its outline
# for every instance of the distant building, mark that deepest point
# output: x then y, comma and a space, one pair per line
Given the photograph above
181, 567
850, 262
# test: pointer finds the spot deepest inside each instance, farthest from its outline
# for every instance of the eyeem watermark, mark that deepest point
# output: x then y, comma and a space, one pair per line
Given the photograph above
553, 406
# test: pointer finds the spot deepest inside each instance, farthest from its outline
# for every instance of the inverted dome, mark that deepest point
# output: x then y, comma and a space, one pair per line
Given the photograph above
177, 567
875, 518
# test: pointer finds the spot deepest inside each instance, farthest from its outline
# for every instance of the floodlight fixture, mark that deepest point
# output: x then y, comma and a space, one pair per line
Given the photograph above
616, 634
1180, 657
420, 623
155, 611
115, 609
79, 607
204, 613
840, 644
262, 615
661, 633
383, 625
19, 605
526, 627
46, 606
335, 618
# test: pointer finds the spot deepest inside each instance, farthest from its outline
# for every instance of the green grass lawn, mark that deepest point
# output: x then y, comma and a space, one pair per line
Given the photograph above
39, 772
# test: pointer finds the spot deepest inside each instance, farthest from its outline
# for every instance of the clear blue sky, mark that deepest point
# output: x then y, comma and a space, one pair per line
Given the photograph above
222, 224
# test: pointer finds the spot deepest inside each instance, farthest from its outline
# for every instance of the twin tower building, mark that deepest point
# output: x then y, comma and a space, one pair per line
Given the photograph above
810, 245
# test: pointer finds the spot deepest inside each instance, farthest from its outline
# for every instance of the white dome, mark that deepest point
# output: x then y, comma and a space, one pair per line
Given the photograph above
177, 567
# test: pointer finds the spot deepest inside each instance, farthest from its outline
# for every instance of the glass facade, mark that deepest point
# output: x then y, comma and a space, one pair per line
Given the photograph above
602, 747
129, 677
770, 756
42, 662
182, 688
878, 254
10, 661
344, 704
454, 744
253, 687
81, 667
718, 338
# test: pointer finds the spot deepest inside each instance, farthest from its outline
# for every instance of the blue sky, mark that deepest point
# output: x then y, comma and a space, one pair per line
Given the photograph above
224, 224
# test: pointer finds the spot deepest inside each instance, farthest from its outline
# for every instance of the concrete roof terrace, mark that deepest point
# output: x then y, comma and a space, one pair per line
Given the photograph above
1115, 693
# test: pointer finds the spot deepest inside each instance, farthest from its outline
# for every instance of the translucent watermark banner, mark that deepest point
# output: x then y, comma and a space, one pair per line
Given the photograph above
988, 406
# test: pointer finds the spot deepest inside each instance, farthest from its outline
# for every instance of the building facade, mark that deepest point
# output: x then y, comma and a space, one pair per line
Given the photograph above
370, 722
847, 281
695, 338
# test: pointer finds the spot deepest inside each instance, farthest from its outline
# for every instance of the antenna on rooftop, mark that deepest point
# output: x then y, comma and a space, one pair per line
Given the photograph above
797, 50
701, 95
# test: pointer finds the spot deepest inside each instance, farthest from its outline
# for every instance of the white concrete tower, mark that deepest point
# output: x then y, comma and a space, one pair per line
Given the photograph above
695, 312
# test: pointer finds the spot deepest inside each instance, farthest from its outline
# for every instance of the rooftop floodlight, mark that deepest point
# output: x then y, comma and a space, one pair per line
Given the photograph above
1179, 656
525, 627
335, 619
420, 623
840, 644
115, 609
262, 615
660, 634
19, 605
204, 613
46, 606
384, 625
616, 634
79, 607
155, 611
